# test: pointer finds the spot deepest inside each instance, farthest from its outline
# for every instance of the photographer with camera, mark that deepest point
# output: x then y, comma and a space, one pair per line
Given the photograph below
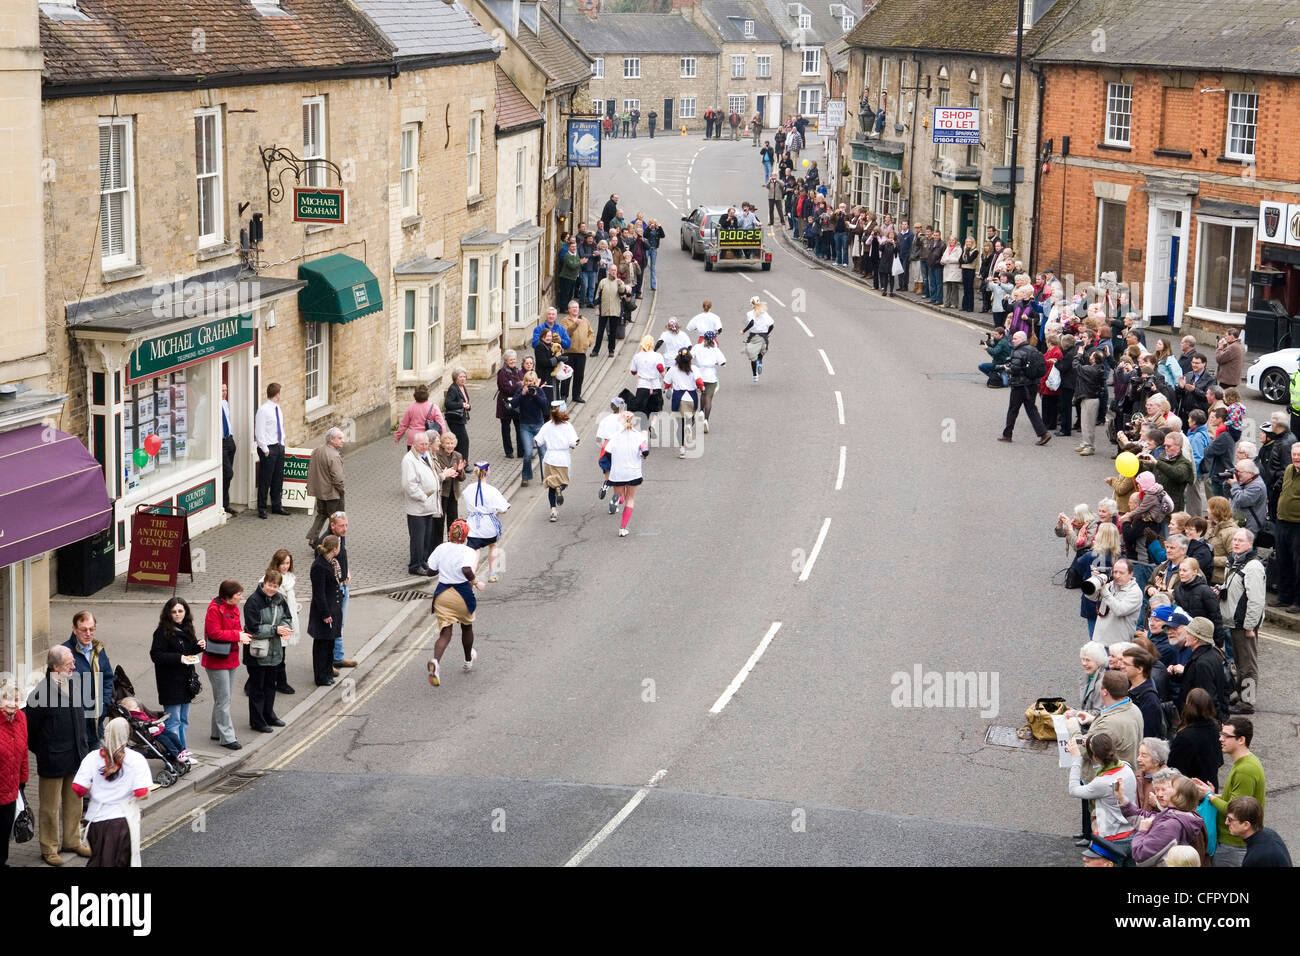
1026, 369
999, 349
1090, 383
1119, 599
1173, 470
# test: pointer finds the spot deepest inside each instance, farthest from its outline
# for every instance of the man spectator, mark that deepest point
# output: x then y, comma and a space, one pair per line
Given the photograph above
1188, 346
1275, 457
1173, 469
921, 253
1245, 779
775, 195
1248, 493
756, 128
1287, 533
56, 733
1119, 717
609, 299
999, 351
1191, 388
549, 324
636, 121
1204, 668
991, 234
578, 329
339, 528
610, 209
1118, 604
734, 122
1219, 455
1229, 359
1165, 576
1142, 690
625, 120
1026, 367
653, 118
1243, 609
268, 432
934, 259
94, 673
227, 449
1245, 820
422, 488
1198, 440
904, 241
325, 482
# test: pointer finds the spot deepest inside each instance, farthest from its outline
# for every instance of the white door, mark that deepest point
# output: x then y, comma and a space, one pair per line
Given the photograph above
1165, 268
774, 116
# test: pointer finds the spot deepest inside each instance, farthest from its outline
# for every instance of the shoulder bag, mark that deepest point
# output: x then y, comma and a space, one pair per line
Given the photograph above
218, 648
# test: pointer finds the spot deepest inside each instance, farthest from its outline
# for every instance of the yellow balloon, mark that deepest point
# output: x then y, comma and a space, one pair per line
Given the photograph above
805, 164
1127, 464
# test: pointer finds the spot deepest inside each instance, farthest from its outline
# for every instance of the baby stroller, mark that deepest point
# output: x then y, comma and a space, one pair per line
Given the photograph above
144, 738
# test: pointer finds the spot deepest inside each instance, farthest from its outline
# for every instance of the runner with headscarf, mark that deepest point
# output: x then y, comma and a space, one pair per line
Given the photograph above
483, 502
609, 426
756, 332
708, 359
626, 451
672, 339
115, 778
559, 438
454, 600
648, 367
685, 382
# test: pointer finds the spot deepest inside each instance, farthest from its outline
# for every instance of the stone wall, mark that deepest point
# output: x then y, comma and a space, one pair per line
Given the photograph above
661, 79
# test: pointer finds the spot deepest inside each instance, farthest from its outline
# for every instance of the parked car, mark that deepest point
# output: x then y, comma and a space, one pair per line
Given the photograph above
698, 228
1270, 375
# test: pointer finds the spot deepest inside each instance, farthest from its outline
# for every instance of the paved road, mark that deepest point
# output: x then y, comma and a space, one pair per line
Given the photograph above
602, 658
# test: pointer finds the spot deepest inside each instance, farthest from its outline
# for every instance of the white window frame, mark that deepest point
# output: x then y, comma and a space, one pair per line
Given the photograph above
738, 66
763, 66
524, 278
1008, 131
409, 333
936, 218
409, 164
1200, 311
1119, 121
813, 94
812, 61
631, 68
124, 188
686, 107
847, 20
472, 312
973, 151
320, 398
314, 140
885, 199
216, 233
630, 105
434, 333
1245, 106
598, 68
885, 64
598, 107
861, 184
737, 103
521, 183
902, 85
688, 68
942, 100
474, 155
749, 29
805, 21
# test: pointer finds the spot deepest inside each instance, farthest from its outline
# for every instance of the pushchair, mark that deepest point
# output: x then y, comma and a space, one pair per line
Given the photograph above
142, 740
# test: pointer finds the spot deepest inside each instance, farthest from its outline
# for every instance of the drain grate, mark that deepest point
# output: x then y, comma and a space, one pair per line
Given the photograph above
1006, 737
409, 595
237, 781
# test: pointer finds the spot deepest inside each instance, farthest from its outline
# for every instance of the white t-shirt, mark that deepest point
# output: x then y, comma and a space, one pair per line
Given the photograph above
645, 366
625, 455
707, 359
449, 558
109, 798
478, 514
762, 323
704, 322
609, 426
682, 381
558, 439
674, 342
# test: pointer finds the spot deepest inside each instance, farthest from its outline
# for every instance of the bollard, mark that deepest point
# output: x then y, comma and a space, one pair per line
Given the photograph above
683, 129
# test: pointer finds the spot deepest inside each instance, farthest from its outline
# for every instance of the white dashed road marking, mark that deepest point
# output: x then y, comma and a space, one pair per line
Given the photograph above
817, 549
825, 358
613, 824
839, 406
839, 479
772, 297
739, 679
806, 329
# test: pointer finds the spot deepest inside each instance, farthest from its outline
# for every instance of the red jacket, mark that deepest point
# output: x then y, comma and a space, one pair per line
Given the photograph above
223, 623
13, 757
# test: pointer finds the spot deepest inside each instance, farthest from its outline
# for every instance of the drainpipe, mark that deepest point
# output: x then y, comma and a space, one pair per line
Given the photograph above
911, 159
1038, 177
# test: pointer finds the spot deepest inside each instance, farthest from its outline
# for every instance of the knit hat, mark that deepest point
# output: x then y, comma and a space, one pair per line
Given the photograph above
1202, 628
1145, 480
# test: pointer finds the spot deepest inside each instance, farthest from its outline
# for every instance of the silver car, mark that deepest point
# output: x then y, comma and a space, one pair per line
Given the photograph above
698, 228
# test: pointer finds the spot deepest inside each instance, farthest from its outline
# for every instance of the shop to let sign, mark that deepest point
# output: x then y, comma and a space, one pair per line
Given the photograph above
320, 205
160, 546
167, 353
957, 124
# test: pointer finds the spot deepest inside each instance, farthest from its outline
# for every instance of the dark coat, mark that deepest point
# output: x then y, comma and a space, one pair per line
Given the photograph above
326, 601
1204, 669
609, 211
263, 615
1196, 752
453, 405
56, 728
1066, 366
905, 240
173, 677
508, 380
1200, 549
1199, 600
1147, 700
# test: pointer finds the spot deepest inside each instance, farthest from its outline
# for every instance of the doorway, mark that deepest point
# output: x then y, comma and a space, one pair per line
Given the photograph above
760, 107
965, 217
1169, 224
668, 113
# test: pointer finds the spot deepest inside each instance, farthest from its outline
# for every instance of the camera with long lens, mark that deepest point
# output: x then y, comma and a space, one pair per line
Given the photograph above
1095, 582
987, 341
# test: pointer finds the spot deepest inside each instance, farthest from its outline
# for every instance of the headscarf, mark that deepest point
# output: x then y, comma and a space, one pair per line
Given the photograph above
458, 531
116, 734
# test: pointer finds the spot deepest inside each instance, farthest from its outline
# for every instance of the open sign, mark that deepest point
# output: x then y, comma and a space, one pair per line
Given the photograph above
957, 124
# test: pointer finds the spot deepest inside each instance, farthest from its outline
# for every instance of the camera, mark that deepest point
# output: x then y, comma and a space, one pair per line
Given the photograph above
1092, 586
987, 341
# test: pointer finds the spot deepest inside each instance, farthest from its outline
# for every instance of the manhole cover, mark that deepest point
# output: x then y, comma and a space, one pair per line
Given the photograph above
1006, 737
408, 595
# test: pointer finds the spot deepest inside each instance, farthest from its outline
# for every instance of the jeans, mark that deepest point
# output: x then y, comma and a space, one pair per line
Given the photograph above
1225, 855
587, 288
841, 248
936, 286
178, 721
343, 611
987, 369
651, 257
925, 276
222, 726
528, 433
767, 171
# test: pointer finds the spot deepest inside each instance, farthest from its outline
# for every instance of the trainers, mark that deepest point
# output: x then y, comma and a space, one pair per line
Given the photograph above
613, 507
433, 669
706, 426
622, 532
760, 366
494, 579
1087, 451
604, 490
681, 452
755, 378
469, 664
554, 516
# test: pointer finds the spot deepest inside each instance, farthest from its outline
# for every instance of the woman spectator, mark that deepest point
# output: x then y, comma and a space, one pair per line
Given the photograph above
986, 273
559, 439
1195, 750
1158, 831
1166, 364
532, 402
115, 778
420, 416
324, 620
969, 263
447, 461
1065, 395
951, 262
13, 760
1111, 832
1106, 547
267, 621
1050, 395
885, 269
223, 632
1021, 317
1222, 527
456, 405
1153, 756
174, 652
509, 377
1195, 596
454, 601
1000, 289
1077, 530
1093, 660
282, 561
871, 255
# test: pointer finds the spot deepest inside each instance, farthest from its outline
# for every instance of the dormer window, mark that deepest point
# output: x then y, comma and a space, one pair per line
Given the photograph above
749, 28
805, 21
847, 21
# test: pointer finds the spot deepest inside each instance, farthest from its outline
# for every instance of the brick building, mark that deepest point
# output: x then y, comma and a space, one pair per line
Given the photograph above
1180, 144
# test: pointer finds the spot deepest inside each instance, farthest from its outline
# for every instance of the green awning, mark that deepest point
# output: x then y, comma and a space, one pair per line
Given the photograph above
882, 159
339, 289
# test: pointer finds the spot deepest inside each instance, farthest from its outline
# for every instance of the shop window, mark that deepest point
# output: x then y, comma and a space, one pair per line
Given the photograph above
176, 407
1224, 255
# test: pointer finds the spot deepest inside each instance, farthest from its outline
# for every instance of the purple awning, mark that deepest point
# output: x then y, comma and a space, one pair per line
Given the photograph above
51, 493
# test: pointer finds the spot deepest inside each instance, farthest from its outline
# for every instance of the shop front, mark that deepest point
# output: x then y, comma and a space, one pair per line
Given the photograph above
877, 178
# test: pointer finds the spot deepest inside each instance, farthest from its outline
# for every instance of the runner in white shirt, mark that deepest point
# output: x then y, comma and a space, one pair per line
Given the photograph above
115, 778
609, 426
483, 503
704, 321
454, 602
626, 451
708, 358
648, 367
672, 340
684, 380
756, 332
559, 437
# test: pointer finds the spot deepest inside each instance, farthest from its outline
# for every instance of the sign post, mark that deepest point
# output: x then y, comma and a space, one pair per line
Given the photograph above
295, 494
835, 114
160, 546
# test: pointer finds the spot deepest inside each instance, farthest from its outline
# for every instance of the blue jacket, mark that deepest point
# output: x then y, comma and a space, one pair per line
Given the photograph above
96, 708
1200, 440
557, 327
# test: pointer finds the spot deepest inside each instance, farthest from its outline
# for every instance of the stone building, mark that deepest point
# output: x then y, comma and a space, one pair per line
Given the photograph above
519, 132
809, 28
1182, 177
753, 55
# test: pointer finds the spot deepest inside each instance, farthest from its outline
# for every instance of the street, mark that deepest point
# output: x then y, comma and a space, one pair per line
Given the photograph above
720, 686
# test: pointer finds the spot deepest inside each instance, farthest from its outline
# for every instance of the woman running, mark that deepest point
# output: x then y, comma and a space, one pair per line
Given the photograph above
626, 451
454, 601
708, 359
483, 503
648, 367
685, 381
756, 332
559, 438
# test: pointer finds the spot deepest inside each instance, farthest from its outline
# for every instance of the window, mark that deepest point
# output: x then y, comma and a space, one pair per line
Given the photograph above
207, 168
805, 21
1243, 115
898, 100
598, 107
686, 107
861, 179
598, 68
999, 217
886, 200
936, 218
313, 139
632, 68
153, 406
736, 103
473, 147
810, 100
524, 309
688, 67
410, 166
763, 70
973, 152
738, 67
521, 187
847, 20
433, 328
938, 147
885, 64
472, 296
316, 365
1119, 113
1008, 128
1110, 238
630, 105
749, 28
116, 193
1224, 255
812, 61
408, 331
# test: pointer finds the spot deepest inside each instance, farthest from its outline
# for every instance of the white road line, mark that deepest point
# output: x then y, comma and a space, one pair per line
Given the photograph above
817, 549
774, 298
674, 205
839, 479
656, 189
614, 823
825, 358
839, 406
745, 277
806, 329
739, 679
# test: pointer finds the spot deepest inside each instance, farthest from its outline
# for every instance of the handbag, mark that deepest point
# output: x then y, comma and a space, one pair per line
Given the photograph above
259, 647
218, 648
24, 822
194, 685
1039, 716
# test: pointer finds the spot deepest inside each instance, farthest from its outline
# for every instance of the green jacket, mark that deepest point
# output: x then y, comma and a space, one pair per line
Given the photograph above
262, 615
999, 351
570, 266
1245, 779
1174, 476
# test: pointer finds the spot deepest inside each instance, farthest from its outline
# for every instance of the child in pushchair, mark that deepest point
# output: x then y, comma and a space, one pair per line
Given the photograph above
149, 733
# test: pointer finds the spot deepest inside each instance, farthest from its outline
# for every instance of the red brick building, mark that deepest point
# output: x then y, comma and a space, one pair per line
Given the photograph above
1180, 122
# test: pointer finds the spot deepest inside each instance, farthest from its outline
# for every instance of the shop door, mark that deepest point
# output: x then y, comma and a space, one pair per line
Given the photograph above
668, 113
966, 217
240, 381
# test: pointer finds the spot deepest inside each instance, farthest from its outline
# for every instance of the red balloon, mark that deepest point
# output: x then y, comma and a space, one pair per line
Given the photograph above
152, 444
